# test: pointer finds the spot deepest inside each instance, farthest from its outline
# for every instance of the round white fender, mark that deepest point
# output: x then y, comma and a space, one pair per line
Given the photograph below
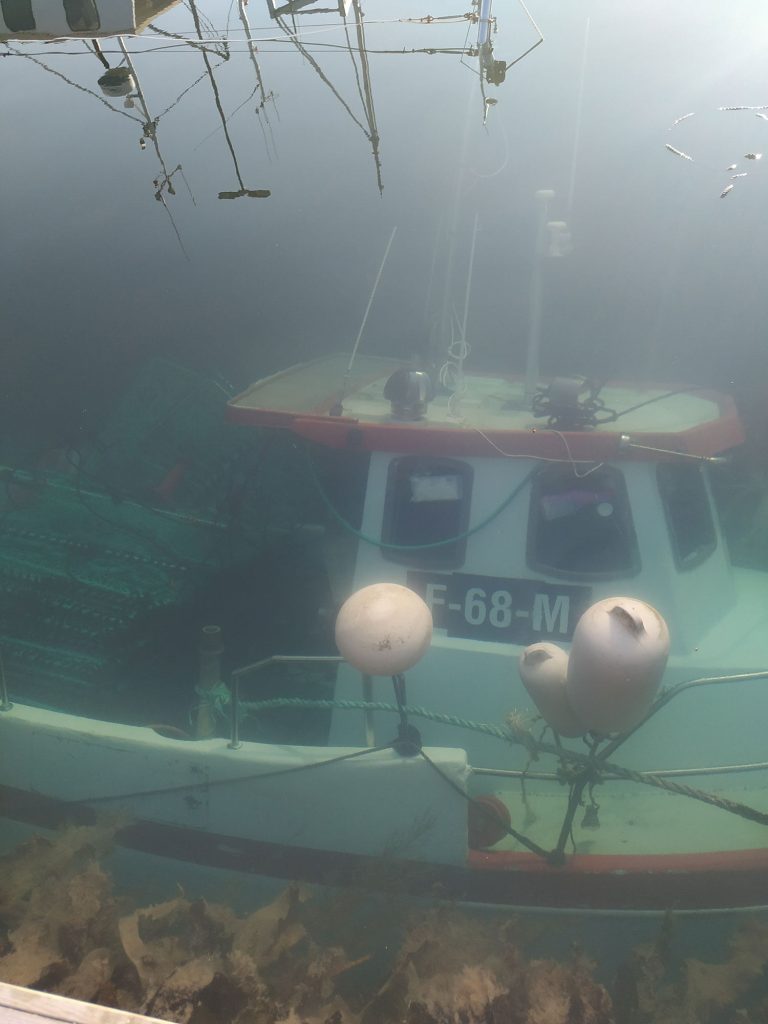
618, 655
383, 629
543, 669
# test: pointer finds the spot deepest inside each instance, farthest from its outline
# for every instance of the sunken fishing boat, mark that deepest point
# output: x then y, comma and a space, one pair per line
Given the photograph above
546, 662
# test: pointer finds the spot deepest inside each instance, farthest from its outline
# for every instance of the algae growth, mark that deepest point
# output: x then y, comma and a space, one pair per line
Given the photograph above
64, 928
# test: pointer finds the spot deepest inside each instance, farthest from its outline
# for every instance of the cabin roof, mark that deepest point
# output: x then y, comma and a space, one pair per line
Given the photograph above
492, 417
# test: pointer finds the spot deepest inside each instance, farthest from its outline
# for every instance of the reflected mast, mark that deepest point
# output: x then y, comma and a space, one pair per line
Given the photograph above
149, 129
370, 113
366, 91
259, 193
252, 51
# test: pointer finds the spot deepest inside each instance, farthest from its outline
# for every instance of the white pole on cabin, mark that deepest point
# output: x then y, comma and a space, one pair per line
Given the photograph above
543, 198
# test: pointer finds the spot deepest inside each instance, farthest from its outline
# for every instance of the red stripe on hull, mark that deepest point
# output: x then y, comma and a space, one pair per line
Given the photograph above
696, 881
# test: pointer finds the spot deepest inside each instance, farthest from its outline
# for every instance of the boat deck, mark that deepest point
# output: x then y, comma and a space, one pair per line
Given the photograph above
320, 401
637, 820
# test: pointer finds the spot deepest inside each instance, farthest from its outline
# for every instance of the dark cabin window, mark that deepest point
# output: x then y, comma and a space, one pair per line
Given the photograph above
17, 15
689, 515
427, 501
581, 526
82, 15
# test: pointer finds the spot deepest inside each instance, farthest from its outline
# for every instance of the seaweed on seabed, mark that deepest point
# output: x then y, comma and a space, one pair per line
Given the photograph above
655, 988
454, 968
197, 962
58, 916
451, 969
62, 929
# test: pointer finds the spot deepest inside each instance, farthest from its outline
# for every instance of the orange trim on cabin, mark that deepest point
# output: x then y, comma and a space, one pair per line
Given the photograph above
344, 432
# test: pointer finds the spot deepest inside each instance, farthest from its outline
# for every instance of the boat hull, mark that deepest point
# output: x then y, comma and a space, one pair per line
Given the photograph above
376, 821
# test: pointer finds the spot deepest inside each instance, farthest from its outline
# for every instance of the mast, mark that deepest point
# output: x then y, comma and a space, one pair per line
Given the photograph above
553, 240
543, 198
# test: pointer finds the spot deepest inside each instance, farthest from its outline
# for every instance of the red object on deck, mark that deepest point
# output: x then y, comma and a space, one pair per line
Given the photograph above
488, 819
166, 489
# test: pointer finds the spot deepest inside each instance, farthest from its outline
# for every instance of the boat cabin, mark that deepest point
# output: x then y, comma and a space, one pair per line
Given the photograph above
510, 514
510, 525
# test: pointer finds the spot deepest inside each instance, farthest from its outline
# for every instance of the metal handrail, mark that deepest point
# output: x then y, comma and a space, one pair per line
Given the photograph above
664, 698
5, 703
661, 773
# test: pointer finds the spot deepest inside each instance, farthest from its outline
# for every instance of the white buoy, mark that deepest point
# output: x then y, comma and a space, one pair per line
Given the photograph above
543, 669
618, 656
383, 629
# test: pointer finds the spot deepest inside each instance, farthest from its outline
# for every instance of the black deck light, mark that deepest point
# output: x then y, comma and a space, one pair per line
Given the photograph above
409, 393
117, 82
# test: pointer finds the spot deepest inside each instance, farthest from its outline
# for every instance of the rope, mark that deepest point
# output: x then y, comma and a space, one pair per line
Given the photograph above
593, 767
523, 840
732, 806
497, 731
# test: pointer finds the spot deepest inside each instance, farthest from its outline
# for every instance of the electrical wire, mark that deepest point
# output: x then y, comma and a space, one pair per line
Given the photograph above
225, 36
489, 812
530, 49
185, 47
391, 546
210, 783
539, 458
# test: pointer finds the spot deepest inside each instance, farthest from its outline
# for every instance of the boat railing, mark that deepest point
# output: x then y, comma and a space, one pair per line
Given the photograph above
580, 771
5, 703
660, 773
282, 659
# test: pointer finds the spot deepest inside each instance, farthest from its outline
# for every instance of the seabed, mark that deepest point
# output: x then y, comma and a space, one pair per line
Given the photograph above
354, 957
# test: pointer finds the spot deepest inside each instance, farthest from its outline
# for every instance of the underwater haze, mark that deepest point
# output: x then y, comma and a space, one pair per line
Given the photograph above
227, 188
664, 278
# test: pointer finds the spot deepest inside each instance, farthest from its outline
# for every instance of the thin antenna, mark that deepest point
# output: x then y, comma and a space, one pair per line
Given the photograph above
452, 371
469, 281
370, 302
337, 408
